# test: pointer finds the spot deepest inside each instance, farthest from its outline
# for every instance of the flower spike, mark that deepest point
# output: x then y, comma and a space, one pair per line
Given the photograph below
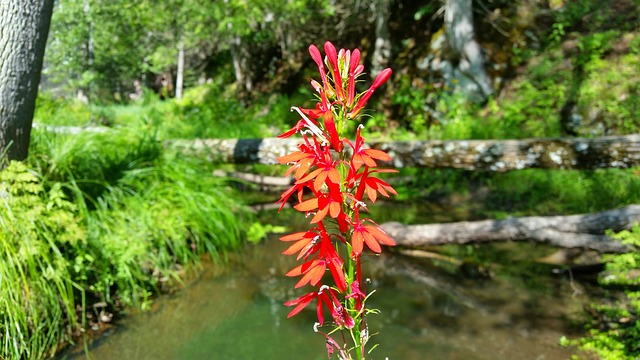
333, 187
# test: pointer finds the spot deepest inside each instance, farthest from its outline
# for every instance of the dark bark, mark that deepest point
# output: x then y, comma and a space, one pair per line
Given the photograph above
24, 26
490, 155
585, 231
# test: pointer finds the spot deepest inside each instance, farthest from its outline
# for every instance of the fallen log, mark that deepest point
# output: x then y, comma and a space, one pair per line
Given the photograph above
586, 231
490, 155
264, 182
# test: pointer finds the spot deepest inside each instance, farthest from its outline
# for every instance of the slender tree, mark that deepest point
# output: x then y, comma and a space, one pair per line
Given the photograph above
465, 50
24, 26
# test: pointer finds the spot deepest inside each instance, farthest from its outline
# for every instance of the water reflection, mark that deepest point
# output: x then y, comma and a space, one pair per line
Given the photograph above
236, 312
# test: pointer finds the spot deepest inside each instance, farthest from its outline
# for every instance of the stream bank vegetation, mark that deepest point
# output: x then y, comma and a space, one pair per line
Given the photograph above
93, 224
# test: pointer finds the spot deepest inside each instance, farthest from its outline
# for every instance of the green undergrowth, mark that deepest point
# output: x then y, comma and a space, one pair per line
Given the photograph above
524, 192
205, 111
39, 292
101, 218
614, 326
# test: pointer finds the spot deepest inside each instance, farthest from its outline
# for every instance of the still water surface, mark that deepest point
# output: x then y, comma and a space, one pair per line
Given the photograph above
235, 311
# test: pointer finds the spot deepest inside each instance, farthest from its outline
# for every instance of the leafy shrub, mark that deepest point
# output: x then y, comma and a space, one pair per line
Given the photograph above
615, 332
40, 230
609, 98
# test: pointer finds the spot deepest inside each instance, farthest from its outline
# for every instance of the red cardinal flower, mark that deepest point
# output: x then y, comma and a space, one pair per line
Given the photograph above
325, 297
333, 186
372, 185
380, 79
372, 235
306, 243
365, 156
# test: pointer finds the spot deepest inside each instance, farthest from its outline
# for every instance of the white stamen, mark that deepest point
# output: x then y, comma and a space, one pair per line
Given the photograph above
315, 327
361, 126
316, 130
361, 204
322, 288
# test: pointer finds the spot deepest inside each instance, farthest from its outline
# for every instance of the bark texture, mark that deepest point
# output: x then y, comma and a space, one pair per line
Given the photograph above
584, 231
382, 49
24, 26
465, 52
490, 155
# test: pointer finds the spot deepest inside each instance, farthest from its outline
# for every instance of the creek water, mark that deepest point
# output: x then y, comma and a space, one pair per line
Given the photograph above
508, 308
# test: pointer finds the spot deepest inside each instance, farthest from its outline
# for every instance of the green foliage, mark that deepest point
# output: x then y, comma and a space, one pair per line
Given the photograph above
109, 218
525, 192
565, 191
38, 230
609, 98
615, 334
147, 215
206, 111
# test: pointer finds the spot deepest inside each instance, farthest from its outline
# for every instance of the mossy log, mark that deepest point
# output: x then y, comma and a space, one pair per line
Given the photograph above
490, 155
585, 231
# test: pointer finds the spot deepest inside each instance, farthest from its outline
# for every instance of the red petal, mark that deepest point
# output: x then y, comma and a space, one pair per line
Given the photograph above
310, 176
378, 154
357, 161
293, 157
294, 236
357, 242
371, 242
334, 176
313, 276
334, 209
315, 55
297, 247
320, 180
308, 205
338, 276
303, 166
381, 78
355, 60
300, 303
380, 235
320, 215
371, 193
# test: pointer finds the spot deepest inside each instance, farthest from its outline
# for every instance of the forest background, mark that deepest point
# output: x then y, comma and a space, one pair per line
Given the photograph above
121, 218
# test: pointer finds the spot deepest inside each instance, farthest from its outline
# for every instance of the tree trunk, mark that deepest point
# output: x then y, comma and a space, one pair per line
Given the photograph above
180, 71
241, 66
465, 50
490, 155
90, 47
382, 50
24, 26
586, 231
